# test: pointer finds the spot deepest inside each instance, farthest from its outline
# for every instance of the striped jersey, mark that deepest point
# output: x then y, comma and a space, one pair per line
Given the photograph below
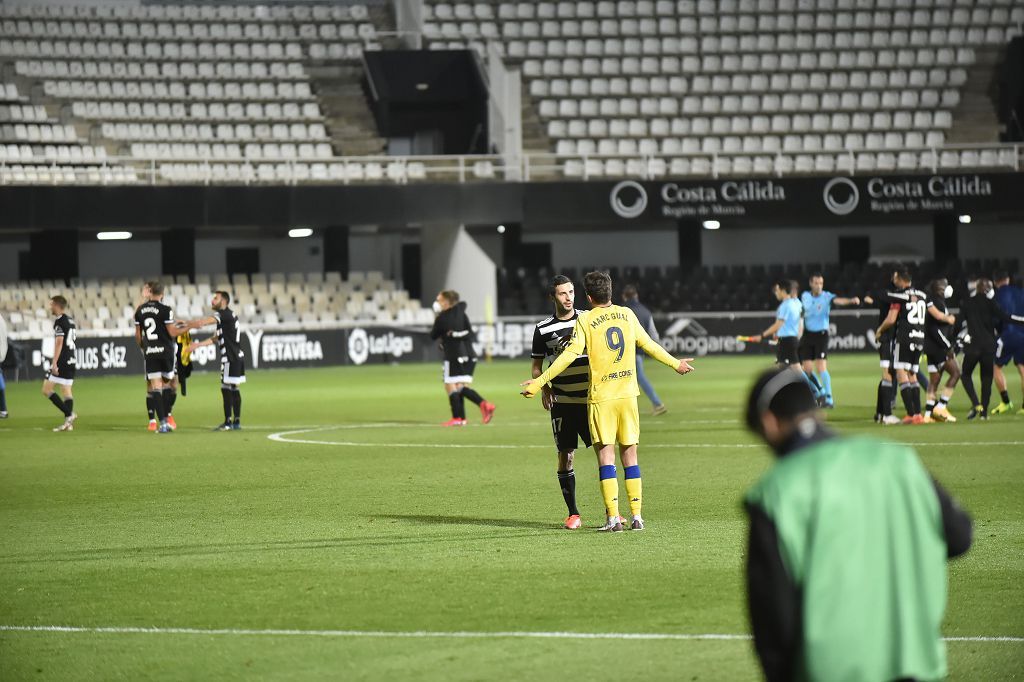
550, 336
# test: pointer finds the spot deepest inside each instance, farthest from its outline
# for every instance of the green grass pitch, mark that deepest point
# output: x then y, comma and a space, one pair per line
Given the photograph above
383, 522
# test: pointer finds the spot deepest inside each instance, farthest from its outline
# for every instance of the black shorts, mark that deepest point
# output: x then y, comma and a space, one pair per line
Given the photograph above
569, 424
885, 342
459, 371
814, 346
232, 371
936, 355
786, 353
160, 366
65, 375
906, 355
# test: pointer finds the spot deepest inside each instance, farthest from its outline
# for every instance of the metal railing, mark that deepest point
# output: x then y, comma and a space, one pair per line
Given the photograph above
534, 167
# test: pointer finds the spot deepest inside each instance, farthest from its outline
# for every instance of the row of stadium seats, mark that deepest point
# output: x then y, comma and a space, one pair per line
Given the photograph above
739, 32
712, 143
866, 12
558, 128
177, 90
213, 112
309, 299
23, 113
221, 132
914, 118
38, 132
61, 153
185, 31
663, 76
186, 12
847, 162
215, 151
156, 70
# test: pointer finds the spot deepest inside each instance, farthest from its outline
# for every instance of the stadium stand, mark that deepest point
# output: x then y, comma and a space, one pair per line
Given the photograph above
104, 307
226, 93
741, 86
735, 288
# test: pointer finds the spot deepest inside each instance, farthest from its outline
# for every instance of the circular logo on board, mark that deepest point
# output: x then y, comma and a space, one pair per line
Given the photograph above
629, 199
841, 196
358, 346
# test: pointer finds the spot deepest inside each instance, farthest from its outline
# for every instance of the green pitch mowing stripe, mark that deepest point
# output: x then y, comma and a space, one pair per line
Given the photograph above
402, 532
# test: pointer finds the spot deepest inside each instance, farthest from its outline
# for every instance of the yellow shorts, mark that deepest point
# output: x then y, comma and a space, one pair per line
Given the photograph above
614, 421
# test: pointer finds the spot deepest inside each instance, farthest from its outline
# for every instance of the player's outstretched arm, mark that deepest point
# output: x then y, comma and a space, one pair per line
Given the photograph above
839, 300
572, 351
941, 316
654, 349
205, 342
537, 370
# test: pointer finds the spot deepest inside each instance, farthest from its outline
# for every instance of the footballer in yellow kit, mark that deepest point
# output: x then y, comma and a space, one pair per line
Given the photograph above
609, 335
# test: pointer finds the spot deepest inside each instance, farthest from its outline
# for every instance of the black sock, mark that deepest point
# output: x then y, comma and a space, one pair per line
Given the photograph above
167, 395
907, 393
149, 407
58, 401
225, 394
915, 394
1005, 395
458, 407
236, 404
3, 399
158, 405
885, 397
69, 406
567, 482
929, 406
475, 397
943, 401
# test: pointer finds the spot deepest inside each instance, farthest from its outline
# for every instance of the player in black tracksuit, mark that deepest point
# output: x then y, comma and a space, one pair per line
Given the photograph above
981, 317
455, 333
228, 338
938, 348
886, 394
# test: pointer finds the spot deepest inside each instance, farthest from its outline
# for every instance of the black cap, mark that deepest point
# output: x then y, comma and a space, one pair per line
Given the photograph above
783, 392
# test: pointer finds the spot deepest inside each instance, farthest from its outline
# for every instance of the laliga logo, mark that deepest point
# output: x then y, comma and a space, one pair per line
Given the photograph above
629, 210
358, 346
848, 196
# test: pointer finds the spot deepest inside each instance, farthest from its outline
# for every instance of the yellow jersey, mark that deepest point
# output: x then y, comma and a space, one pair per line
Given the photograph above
609, 335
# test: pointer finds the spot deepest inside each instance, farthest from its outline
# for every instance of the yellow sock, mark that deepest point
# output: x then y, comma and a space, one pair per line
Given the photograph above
634, 489
610, 490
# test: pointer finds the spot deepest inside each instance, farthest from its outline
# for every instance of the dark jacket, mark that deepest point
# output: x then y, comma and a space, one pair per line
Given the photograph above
454, 330
982, 317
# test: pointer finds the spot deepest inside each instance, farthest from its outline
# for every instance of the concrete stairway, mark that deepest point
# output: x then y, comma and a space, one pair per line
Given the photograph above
349, 120
974, 118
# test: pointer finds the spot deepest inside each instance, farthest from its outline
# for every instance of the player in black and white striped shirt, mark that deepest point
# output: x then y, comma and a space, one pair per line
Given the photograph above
566, 396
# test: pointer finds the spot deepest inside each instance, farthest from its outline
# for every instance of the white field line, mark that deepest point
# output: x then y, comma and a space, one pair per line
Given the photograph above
418, 634
288, 437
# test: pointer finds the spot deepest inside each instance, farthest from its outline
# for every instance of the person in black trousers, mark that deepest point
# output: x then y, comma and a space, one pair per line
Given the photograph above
981, 318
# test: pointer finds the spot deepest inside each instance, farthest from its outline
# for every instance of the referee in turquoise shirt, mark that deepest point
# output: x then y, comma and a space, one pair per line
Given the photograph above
817, 304
849, 540
786, 326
